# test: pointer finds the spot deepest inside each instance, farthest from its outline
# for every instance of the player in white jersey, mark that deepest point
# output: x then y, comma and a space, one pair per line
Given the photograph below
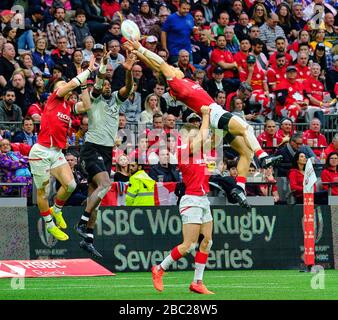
96, 154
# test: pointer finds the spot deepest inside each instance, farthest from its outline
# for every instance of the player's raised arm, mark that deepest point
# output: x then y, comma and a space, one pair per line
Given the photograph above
78, 80
153, 60
97, 90
125, 91
203, 133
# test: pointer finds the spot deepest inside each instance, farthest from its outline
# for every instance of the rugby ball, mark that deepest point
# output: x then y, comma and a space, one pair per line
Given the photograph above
130, 30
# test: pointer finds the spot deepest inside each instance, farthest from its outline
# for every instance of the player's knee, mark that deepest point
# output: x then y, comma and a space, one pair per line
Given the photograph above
71, 186
206, 244
191, 248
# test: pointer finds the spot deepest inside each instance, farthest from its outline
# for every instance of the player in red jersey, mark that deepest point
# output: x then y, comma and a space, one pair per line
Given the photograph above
239, 133
46, 157
194, 206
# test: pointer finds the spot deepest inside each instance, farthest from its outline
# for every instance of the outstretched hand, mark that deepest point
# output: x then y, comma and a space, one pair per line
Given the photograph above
93, 66
134, 44
130, 61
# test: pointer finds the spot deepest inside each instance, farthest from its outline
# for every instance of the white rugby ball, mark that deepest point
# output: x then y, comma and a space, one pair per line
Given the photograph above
130, 30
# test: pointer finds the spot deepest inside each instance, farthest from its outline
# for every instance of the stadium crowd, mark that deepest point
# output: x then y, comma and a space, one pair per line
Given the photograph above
273, 63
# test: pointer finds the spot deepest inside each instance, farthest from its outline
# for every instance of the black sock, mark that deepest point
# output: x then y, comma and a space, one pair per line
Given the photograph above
84, 218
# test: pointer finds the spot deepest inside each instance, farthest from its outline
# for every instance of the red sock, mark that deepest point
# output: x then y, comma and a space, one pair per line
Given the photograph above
45, 213
175, 254
201, 257
59, 203
260, 153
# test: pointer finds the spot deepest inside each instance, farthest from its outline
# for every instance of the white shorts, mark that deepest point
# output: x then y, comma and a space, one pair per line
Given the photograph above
215, 114
195, 209
42, 160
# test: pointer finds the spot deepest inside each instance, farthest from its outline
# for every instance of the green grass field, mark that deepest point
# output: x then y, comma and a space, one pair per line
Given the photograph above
228, 285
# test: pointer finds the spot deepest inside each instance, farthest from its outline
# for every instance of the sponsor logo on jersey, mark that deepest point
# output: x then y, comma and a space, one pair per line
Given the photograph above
63, 117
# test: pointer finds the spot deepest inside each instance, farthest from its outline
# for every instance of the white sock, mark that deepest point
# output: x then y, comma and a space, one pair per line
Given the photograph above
199, 270
167, 262
49, 221
56, 209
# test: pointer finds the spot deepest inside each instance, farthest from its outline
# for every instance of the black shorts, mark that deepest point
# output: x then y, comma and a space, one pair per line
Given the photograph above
223, 123
95, 159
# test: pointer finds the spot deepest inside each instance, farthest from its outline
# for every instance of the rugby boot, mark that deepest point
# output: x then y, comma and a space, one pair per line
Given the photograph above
60, 222
89, 247
199, 288
57, 233
157, 278
268, 161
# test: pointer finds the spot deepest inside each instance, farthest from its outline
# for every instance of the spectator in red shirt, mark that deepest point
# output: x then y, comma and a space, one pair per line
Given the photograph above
281, 48
276, 73
241, 56
285, 132
333, 146
303, 70
256, 78
290, 96
267, 139
330, 172
296, 178
313, 138
314, 90
224, 59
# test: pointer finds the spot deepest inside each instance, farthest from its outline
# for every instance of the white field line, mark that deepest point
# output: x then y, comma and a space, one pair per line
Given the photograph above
143, 286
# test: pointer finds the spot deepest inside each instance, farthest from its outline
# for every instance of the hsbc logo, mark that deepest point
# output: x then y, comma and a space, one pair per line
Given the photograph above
63, 117
46, 238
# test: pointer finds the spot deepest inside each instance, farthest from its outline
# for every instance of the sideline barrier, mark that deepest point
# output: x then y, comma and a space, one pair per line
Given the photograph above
133, 239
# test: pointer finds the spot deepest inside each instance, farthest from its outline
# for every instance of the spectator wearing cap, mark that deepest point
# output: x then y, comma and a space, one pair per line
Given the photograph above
80, 27
151, 43
7, 64
145, 19
114, 33
59, 28
332, 78
320, 39
115, 57
61, 57
98, 52
218, 83
285, 131
220, 57
320, 56
176, 31
257, 79
183, 63
194, 119
290, 96
124, 13
269, 31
